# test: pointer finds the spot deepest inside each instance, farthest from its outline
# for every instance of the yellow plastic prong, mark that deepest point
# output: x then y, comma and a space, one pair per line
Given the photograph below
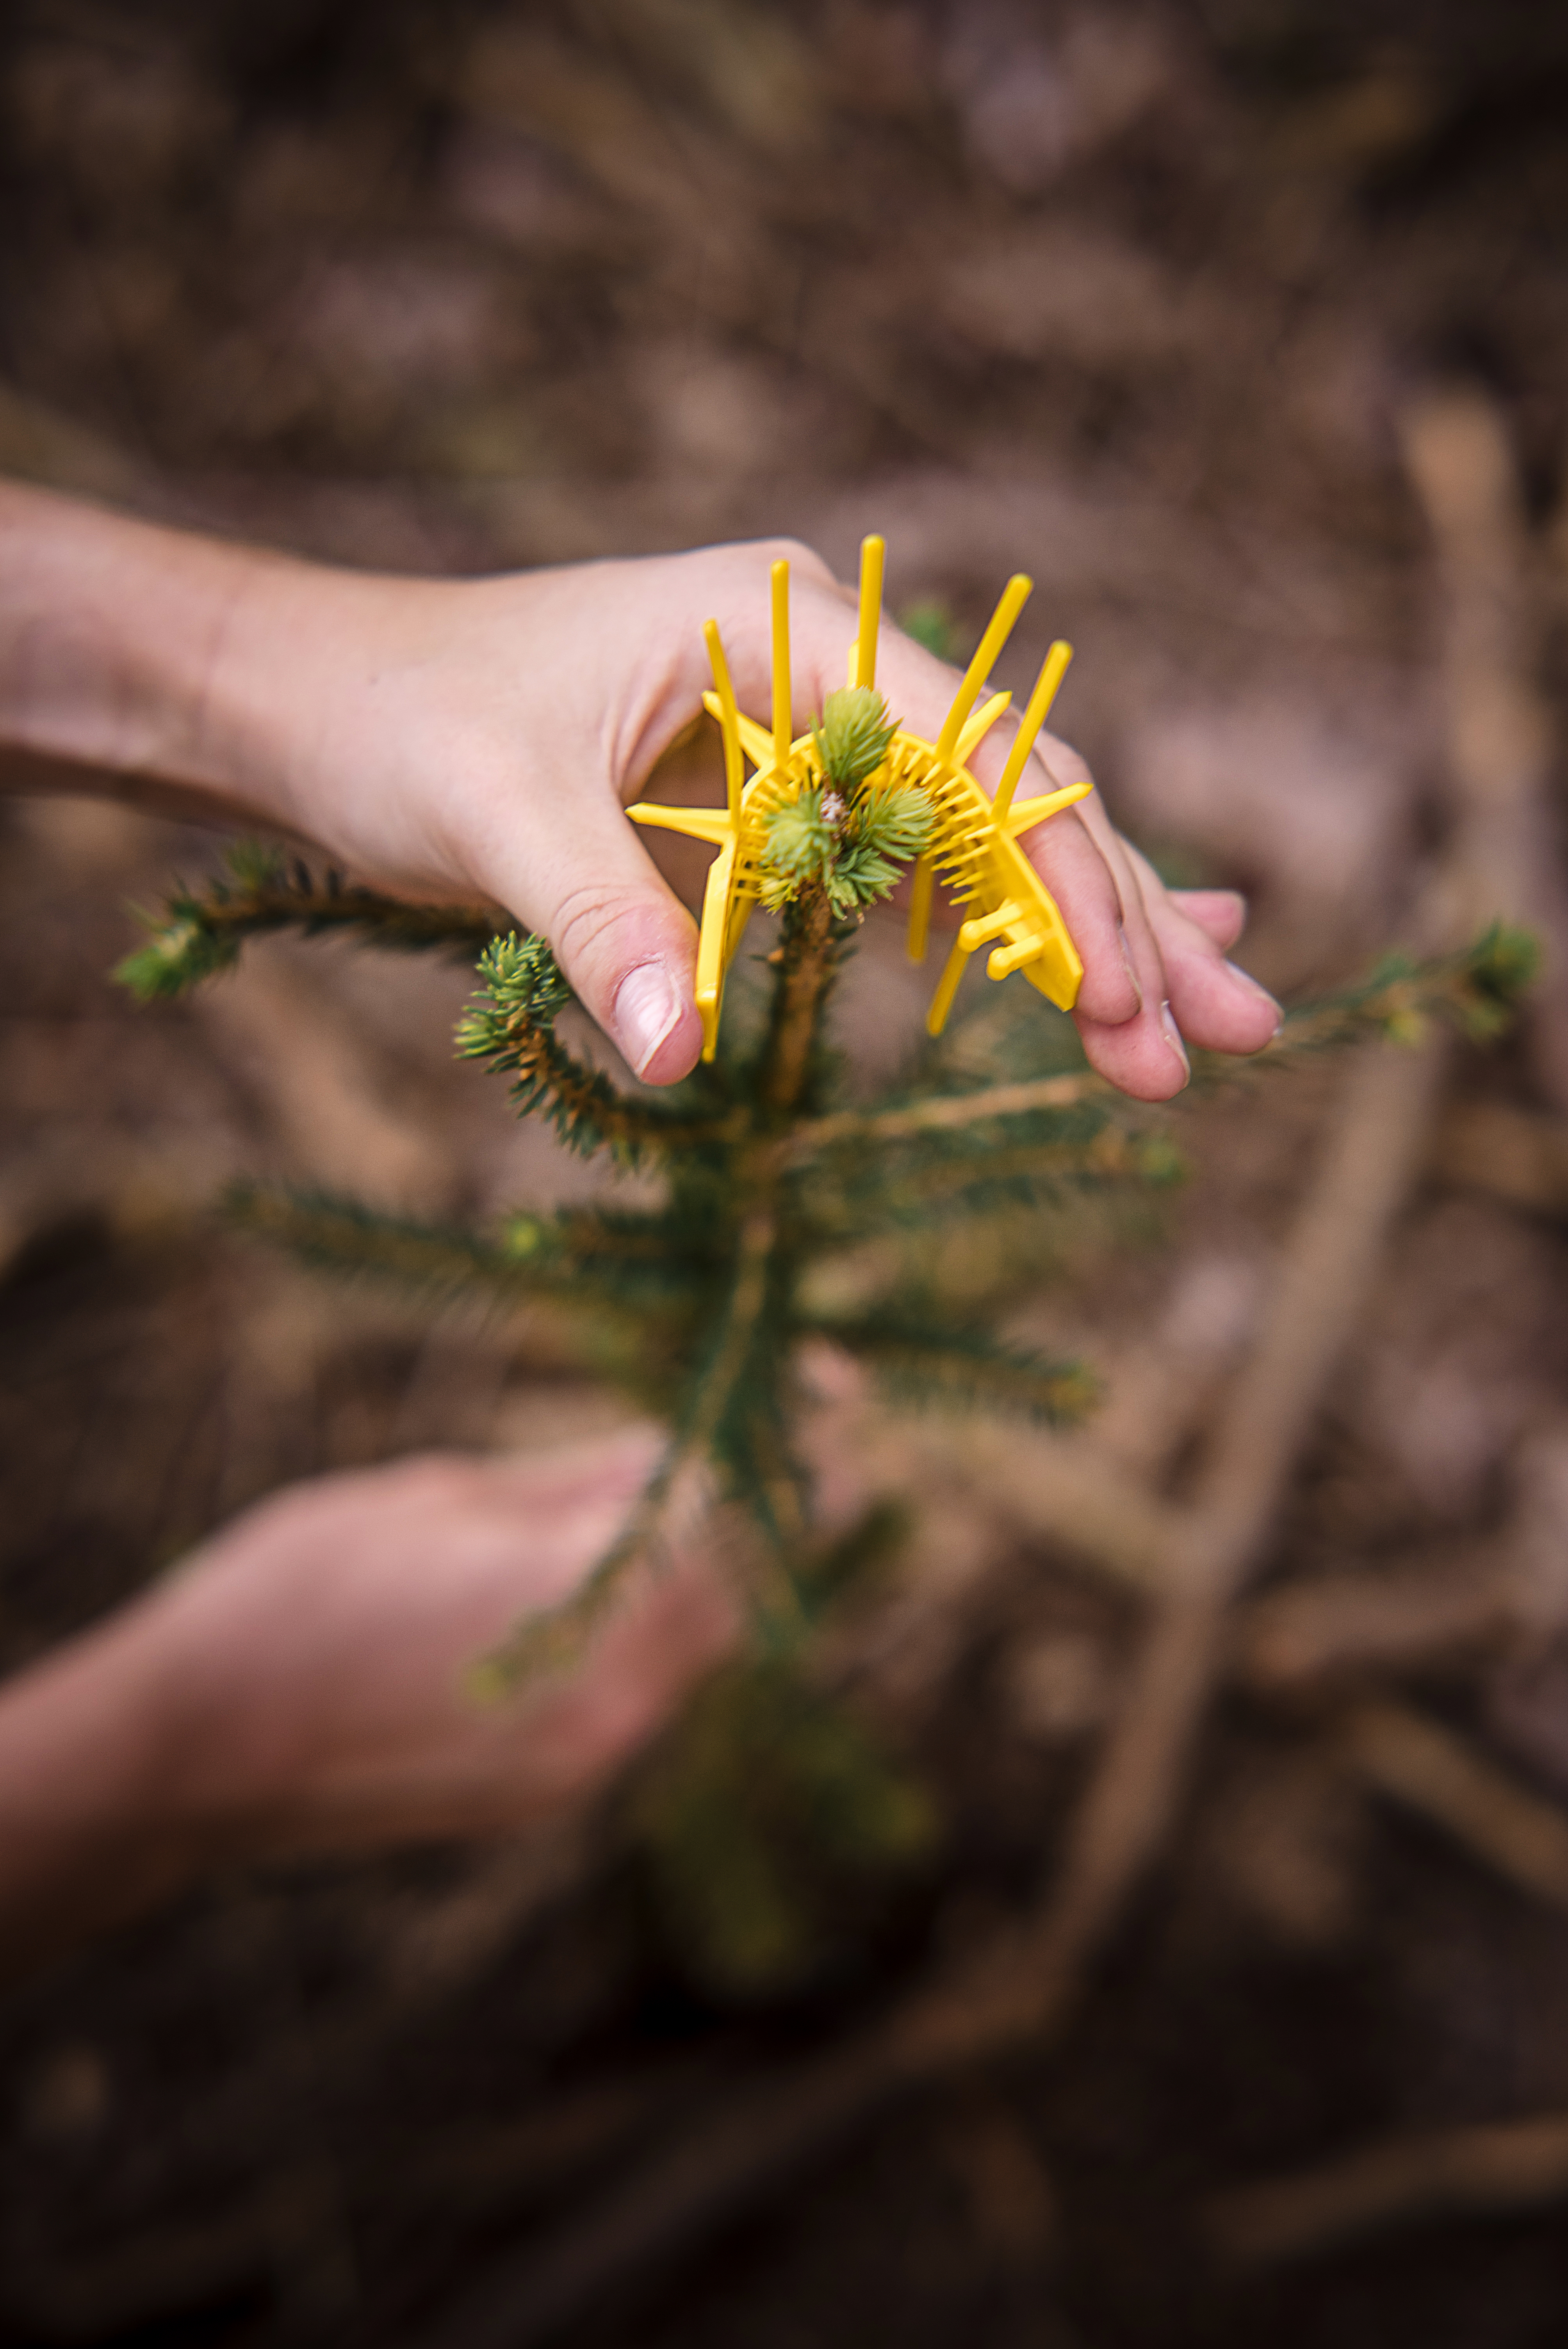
979, 726
1047, 686
990, 925
729, 720
872, 550
782, 694
710, 945
1007, 959
920, 891
1059, 980
947, 987
755, 740
712, 824
999, 627
1025, 814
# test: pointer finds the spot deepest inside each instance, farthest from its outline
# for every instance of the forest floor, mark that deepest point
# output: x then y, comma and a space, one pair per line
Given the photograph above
1245, 330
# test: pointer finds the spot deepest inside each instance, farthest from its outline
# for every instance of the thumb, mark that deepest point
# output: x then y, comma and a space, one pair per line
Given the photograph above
623, 940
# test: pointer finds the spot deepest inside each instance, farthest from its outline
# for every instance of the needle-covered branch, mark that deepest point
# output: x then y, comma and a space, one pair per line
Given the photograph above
511, 1025
557, 1638
944, 1363
442, 1264
198, 932
951, 1179
1476, 990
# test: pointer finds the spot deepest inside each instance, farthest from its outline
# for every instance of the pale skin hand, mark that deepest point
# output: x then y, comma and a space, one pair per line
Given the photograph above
534, 758
482, 738
298, 1685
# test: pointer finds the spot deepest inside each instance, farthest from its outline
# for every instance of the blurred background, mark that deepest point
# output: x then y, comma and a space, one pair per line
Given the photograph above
1242, 325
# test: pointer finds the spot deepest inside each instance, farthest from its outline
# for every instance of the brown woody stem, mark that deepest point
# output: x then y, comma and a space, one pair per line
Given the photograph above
806, 970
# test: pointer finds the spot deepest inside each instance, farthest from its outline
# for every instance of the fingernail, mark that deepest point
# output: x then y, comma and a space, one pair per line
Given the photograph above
1244, 978
647, 1005
1127, 964
1173, 1038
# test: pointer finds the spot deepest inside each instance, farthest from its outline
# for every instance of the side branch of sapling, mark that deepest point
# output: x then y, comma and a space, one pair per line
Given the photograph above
579, 1101
510, 1026
198, 932
966, 1368
943, 1112
1476, 990
344, 1237
1042, 1170
556, 1638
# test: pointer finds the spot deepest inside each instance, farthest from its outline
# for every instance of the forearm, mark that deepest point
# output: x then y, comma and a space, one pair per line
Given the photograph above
127, 655
91, 1761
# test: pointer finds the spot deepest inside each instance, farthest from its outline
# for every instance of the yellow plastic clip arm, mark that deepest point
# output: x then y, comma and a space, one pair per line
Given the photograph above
1047, 686
783, 738
871, 553
1015, 596
729, 720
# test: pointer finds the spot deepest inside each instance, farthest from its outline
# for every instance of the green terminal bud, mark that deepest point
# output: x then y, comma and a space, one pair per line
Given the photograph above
852, 736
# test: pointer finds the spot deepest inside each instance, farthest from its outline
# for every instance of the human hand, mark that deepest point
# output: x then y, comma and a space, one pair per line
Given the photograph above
483, 737
297, 1684
462, 738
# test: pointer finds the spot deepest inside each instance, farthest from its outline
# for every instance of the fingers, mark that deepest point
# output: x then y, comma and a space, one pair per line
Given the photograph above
1220, 914
626, 944
1070, 863
1143, 1056
1216, 1005
1154, 970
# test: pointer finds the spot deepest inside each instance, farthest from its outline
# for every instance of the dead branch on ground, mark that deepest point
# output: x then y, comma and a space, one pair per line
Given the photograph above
1435, 1772
1505, 855
1504, 2166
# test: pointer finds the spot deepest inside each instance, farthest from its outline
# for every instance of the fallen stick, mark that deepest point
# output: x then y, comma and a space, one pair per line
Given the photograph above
1333, 1628
1429, 1769
1504, 2166
1504, 858
1516, 1154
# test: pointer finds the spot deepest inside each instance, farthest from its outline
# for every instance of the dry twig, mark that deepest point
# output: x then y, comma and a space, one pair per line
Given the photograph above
1516, 1154
1337, 1626
1505, 2166
1504, 857
1432, 1771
